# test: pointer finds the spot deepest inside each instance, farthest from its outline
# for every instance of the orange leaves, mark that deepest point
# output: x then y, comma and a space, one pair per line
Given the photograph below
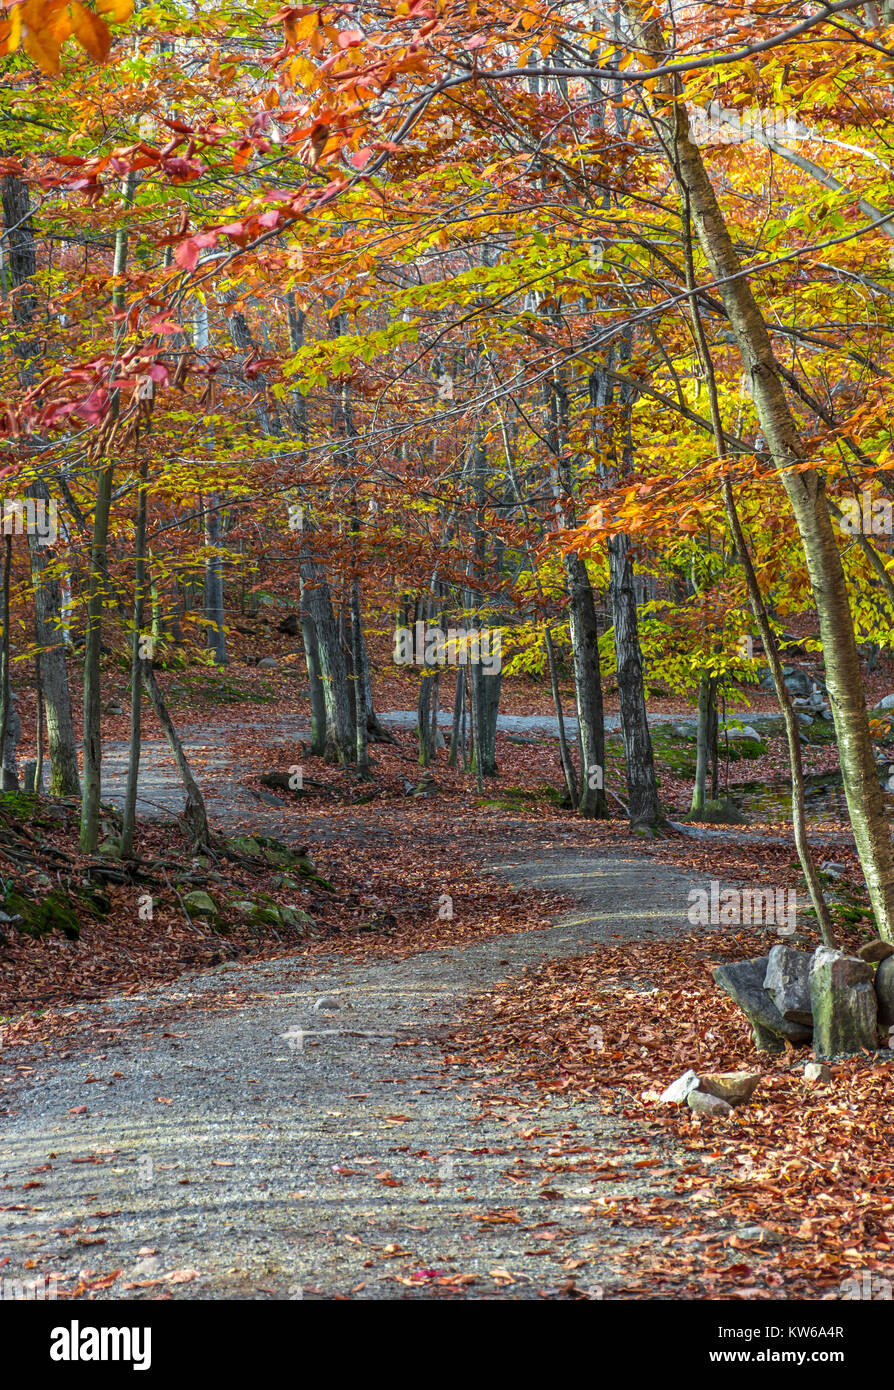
41, 27
90, 31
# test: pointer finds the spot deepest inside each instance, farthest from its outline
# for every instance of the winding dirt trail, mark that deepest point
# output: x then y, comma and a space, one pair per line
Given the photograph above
289, 1129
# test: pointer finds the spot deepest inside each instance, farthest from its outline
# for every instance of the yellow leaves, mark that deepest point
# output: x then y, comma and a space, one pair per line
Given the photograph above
41, 27
120, 10
90, 31
297, 30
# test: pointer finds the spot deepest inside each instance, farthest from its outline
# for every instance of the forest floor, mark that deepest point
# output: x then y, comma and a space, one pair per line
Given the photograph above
412, 1104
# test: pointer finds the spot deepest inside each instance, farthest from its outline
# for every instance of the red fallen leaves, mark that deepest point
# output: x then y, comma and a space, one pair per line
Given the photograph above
813, 1171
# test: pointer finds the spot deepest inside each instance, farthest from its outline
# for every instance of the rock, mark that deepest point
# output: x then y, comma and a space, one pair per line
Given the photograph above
735, 1087
113, 707
884, 992
268, 663
845, 1010
796, 681
55, 912
886, 703
832, 870
702, 1103
285, 881
746, 732
817, 1072
678, 1090
759, 1235
719, 813
148, 1266
876, 951
244, 907
786, 983
804, 718
743, 981
686, 731
200, 904
326, 1004
274, 852
30, 782
290, 625
267, 797
295, 917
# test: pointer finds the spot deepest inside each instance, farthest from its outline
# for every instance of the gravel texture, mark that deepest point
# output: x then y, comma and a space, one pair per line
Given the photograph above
286, 1130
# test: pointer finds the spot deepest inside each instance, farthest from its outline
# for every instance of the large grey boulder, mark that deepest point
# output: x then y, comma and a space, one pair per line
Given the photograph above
743, 981
786, 983
884, 992
845, 1010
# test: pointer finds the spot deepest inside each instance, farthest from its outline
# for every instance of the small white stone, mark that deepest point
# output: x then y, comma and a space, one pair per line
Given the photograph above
678, 1090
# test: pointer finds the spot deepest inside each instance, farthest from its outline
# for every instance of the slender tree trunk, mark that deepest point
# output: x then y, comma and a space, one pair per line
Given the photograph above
565, 758
459, 705
10, 781
702, 740
340, 734
642, 788
376, 730
136, 673
91, 792
588, 688
804, 487
360, 713
195, 815
49, 630
762, 618
314, 679
39, 753
214, 589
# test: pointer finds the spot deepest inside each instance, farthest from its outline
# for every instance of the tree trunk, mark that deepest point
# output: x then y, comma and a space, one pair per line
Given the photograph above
91, 791
805, 490
49, 630
314, 679
588, 687
565, 759
195, 815
340, 739
10, 781
702, 737
360, 712
128, 822
642, 789
214, 590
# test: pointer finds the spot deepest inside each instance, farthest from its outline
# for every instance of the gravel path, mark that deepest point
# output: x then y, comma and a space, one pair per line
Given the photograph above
276, 1130
289, 1129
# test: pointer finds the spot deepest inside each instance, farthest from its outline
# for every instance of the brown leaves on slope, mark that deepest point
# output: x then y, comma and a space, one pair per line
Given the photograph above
807, 1175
